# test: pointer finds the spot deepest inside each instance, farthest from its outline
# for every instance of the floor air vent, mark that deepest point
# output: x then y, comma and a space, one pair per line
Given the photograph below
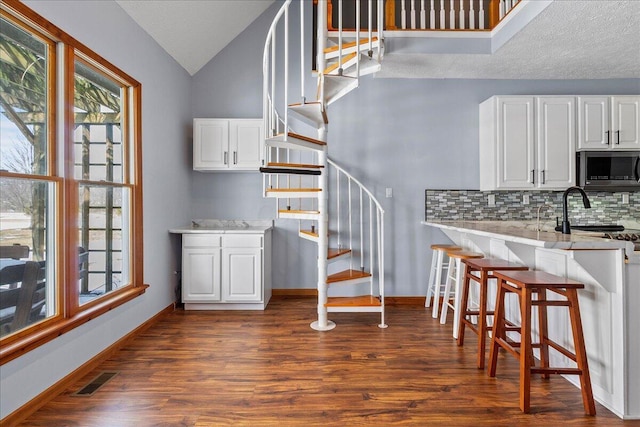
95, 384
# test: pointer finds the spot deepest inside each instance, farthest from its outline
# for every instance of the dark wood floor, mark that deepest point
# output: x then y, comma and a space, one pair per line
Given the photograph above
269, 368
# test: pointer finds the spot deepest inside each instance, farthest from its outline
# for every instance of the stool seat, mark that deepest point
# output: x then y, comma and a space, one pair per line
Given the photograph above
492, 264
445, 247
535, 278
478, 270
464, 254
527, 284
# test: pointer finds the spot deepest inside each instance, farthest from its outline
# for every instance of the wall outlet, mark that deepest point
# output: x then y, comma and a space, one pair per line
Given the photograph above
491, 200
525, 199
625, 198
389, 193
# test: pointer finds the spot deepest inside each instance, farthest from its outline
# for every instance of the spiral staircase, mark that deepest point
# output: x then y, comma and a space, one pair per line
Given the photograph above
333, 209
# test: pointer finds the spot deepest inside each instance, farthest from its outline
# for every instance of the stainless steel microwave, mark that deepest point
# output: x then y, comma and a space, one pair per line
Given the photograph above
609, 170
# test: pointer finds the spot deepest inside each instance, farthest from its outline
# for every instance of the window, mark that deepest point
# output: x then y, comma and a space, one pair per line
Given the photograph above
70, 182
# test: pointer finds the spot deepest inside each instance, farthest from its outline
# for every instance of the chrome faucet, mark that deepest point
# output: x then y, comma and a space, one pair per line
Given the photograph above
538, 218
566, 227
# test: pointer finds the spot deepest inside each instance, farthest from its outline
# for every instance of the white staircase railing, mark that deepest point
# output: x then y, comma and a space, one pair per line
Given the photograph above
451, 14
369, 224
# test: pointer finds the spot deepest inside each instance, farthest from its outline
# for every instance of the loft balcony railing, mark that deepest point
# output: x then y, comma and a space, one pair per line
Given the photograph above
436, 15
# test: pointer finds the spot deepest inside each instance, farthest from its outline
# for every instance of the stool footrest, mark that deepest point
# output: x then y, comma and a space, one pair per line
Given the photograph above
560, 349
556, 371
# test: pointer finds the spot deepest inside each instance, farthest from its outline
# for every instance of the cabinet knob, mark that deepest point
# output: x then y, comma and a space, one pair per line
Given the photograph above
608, 136
226, 160
533, 176
617, 137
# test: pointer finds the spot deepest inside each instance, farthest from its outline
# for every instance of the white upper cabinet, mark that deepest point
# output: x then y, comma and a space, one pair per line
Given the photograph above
556, 141
609, 123
527, 143
227, 144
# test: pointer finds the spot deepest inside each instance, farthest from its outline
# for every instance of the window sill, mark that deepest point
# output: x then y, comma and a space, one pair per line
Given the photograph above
15, 346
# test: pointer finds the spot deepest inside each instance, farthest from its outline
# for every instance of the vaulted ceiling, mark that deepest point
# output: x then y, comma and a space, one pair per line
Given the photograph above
570, 39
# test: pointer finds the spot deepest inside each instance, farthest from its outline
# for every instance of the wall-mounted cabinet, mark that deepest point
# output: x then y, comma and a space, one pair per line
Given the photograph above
228, 144
609, 123
527, 143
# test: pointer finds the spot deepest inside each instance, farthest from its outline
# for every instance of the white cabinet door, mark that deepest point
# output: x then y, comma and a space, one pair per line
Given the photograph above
555, 137
200, 274
246, 139
593, 123
516, 153
609, 123
625, 120
242, 274
210, 144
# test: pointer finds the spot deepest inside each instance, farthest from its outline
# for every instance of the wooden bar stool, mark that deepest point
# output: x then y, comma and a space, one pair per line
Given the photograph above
454, 274
434, 288
526, 284
479, 271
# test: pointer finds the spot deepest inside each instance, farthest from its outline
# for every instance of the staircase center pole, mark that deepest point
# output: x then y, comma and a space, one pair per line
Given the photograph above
322, 324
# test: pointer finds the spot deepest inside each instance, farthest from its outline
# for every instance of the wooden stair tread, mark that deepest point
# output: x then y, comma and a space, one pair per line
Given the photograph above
334, 66
293, 190
349, 44
295, 211
310, 233
357, 301
305, 138
347, 275
293, 165
336, 252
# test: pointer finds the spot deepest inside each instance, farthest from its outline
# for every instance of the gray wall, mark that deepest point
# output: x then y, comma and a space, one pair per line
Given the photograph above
405, 134
104, 27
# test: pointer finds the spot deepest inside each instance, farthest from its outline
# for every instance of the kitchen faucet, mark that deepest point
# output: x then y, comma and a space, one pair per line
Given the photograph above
566, 227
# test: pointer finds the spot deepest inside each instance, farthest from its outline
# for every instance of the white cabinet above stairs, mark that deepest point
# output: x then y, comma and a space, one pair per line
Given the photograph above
227, 144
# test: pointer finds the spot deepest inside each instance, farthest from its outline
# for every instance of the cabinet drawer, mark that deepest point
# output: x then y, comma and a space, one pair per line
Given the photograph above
200, 240
242, 241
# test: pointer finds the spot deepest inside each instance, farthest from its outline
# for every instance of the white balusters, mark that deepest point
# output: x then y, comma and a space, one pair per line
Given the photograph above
403, 15
472, 16
432, 16
413, 14
452, 16
449, 14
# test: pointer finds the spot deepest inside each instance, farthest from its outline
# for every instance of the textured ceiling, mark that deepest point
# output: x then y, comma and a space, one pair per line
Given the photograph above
570, 39
194, 31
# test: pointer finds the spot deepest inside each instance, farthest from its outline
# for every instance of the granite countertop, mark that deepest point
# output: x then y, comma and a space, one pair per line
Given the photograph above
221, 226
526, 232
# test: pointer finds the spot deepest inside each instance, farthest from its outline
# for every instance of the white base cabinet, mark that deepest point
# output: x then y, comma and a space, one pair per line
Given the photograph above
226, 271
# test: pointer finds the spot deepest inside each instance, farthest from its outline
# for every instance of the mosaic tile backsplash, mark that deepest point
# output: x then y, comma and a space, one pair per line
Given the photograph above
472, 205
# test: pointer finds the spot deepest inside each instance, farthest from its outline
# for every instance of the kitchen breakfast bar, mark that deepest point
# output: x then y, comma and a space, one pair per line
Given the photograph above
610, 271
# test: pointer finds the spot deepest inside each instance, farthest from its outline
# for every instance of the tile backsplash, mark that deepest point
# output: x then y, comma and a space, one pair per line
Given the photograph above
472, 205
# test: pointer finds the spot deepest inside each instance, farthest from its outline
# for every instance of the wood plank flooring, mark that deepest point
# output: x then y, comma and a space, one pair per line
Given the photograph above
271, 369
